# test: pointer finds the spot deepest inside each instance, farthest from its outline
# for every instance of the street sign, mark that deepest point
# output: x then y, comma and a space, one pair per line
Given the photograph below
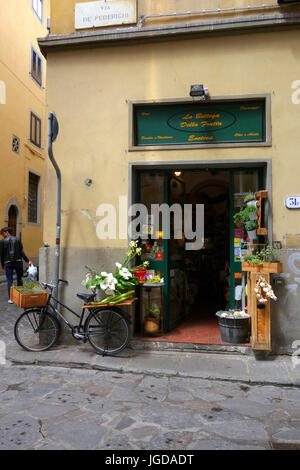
54, 127
292, 202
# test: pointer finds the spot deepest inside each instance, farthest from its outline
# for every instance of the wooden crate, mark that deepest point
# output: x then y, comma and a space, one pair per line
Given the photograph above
28, 300
266, 268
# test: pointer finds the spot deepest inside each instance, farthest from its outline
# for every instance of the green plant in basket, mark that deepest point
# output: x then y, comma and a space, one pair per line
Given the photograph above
249, 197
269, 254
250, 225
253, 258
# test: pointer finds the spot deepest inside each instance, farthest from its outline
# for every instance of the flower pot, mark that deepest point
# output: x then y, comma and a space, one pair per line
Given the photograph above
274, 267
251, 235
251, 267
151, 326
234, 330
140, 273
253, 216
251, 203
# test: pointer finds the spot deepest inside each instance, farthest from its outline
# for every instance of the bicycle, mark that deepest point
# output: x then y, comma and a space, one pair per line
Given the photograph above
106, 328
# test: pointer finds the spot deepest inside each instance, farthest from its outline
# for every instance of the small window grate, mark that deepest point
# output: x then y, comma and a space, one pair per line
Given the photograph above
15, 144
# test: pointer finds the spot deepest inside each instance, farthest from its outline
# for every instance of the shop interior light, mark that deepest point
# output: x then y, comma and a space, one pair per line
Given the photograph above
177, 173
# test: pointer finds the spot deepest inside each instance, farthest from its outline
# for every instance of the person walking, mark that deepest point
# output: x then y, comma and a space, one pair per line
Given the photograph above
11, 254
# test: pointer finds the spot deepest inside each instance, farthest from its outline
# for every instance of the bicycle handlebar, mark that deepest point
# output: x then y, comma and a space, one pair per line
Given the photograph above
52, 286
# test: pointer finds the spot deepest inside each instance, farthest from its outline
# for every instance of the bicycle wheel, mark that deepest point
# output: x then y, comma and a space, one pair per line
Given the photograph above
107, 330
36, 330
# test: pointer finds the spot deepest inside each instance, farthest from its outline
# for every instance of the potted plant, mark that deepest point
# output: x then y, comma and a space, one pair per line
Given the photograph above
238, 219
152, 319
251, 227
234, 326
250, 199
252, 262
251, 212
264, 261
270, 259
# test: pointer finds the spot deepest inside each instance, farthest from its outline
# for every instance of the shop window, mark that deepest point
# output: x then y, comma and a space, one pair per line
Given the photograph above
36, 66
33, 198
15, 144
35, 129
37, 6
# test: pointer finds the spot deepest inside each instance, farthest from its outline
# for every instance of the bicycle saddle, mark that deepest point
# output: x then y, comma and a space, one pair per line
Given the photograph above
86, 297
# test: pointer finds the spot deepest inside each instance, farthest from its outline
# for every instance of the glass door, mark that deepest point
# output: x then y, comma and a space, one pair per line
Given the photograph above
176, 250
242, 182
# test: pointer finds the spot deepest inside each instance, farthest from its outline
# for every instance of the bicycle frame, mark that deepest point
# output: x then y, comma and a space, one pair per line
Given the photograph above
60, 315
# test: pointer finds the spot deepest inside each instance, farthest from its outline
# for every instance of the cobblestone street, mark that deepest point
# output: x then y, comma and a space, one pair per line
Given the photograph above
47, 407
58, 408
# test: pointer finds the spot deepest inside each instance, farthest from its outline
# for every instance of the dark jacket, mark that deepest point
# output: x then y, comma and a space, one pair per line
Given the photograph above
11, 249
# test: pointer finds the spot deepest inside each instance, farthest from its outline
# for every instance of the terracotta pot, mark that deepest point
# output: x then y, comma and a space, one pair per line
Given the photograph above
151, 325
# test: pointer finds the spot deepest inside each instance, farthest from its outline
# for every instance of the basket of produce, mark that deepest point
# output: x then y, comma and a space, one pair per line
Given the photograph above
29, 295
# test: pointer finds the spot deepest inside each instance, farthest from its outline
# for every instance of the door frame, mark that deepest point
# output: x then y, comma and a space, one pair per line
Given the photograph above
264, 164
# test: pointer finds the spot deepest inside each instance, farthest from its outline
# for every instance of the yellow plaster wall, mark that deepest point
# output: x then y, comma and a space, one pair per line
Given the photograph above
63, 12
89, 91
19, 29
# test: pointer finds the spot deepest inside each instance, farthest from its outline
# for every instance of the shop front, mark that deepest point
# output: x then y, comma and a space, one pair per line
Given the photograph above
197, 283
131, 120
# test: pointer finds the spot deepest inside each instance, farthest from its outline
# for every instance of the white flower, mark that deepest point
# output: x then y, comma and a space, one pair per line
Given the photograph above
119, 266
103, 273
109, 282
109, 292
146, 264
125, 273
139, 251
133, 244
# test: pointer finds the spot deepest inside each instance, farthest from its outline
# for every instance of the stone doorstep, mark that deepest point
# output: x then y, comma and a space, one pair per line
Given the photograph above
190, 347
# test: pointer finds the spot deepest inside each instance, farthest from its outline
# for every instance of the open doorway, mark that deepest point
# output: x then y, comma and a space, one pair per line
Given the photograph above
198, 283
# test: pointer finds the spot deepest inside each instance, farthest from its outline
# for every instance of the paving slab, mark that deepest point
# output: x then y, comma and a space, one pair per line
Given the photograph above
208, 366
269, 371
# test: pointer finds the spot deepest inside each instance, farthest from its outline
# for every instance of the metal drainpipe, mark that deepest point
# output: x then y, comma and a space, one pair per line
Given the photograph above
58, 205
200, 12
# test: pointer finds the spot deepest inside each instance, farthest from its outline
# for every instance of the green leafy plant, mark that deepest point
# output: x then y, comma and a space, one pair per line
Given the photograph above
250, 209
250, 225
249, 197
153, 312
253, 258
269, 254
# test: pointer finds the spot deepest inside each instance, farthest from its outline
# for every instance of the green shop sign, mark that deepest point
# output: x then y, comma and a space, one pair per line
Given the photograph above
200, 123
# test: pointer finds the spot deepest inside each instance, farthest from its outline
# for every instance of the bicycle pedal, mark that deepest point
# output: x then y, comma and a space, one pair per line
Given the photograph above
79, 336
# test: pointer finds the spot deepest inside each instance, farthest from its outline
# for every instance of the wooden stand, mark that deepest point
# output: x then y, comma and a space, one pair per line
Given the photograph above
260, 313
260, 317
260, 195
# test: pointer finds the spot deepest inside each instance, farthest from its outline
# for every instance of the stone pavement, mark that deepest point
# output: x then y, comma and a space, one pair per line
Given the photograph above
56, 408
280, 370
